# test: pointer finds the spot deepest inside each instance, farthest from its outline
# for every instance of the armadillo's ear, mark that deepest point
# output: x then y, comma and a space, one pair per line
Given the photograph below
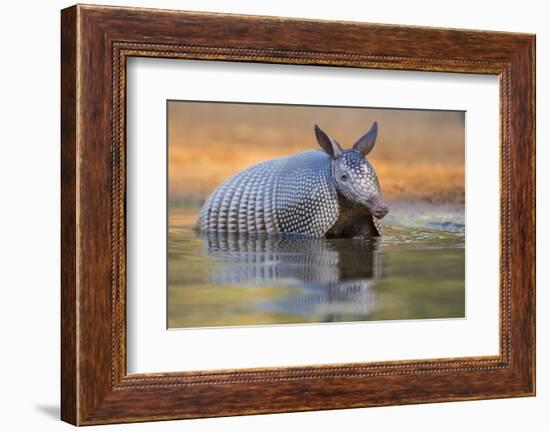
328, 144
366, 142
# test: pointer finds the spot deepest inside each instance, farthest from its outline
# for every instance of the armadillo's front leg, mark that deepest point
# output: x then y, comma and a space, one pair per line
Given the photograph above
366, 229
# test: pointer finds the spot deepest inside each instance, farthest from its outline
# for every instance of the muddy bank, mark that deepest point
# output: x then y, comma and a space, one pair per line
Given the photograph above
194, 173
418, 155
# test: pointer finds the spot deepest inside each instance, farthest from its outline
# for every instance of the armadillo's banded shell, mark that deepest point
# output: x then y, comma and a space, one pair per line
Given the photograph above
289, 195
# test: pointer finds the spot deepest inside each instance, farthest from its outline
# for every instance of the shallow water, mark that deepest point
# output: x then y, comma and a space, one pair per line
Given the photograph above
415, 271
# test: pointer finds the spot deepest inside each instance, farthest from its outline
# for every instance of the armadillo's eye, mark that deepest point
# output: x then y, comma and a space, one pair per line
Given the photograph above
344, 177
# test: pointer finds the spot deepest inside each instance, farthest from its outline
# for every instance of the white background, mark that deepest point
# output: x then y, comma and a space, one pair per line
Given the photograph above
153, 349
29, 216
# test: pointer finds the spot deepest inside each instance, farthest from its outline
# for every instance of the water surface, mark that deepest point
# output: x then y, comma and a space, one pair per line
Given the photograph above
415, 271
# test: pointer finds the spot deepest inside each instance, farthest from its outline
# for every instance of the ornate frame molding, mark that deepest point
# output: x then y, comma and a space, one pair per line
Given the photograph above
96, 41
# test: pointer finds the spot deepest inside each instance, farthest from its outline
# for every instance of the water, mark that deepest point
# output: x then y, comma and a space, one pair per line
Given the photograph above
416, 271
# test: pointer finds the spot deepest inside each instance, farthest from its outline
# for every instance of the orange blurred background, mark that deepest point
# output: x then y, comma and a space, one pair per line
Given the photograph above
418, 156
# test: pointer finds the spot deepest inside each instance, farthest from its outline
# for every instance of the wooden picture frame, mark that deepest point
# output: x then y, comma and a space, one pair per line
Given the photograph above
95, 43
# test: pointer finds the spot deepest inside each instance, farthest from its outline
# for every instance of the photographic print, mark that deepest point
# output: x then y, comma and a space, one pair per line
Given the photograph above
296, 214
278, 221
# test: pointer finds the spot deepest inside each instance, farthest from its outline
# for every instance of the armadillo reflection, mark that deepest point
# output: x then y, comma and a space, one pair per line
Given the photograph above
319, 193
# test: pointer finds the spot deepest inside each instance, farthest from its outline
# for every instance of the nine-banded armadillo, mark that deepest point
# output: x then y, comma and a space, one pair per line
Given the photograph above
319, 193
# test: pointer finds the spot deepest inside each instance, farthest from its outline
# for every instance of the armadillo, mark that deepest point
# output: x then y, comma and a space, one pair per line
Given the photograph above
324, 193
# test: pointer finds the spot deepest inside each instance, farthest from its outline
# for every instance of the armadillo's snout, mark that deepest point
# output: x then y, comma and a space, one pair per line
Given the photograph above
380, 211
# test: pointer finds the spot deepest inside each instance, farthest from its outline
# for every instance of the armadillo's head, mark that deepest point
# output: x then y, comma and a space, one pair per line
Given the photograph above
353, 175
